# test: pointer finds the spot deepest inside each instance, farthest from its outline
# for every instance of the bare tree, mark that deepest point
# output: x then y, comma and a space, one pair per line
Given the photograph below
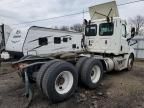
138, 23
56, 27
65, 28
77, 27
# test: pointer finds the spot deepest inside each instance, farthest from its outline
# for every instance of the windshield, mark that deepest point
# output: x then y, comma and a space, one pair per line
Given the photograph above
106, 29
91, 30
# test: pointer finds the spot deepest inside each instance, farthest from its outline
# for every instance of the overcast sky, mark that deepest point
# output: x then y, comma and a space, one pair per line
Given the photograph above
18, 11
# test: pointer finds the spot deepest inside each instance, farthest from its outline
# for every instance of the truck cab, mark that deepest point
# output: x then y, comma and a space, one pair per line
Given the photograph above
107, 37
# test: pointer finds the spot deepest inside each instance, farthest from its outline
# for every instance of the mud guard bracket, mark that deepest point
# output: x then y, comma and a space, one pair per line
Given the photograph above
28, 89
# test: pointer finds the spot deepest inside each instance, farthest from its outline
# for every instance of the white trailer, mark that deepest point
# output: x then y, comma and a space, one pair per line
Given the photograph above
56, 66
42, 41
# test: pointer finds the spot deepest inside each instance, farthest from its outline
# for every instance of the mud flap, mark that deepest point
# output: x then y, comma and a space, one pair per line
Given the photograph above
28, 88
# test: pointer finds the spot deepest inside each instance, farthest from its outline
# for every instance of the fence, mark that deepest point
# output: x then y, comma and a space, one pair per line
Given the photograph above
139, 47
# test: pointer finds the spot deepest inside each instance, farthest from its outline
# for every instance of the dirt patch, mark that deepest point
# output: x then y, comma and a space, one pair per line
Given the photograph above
117, 90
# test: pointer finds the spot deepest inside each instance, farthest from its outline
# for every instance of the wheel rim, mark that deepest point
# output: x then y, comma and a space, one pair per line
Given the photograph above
95, 74
130, 63
64, 82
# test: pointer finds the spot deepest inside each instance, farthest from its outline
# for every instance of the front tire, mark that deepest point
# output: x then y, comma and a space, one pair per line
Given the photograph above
130, 63
60, 81
92, 73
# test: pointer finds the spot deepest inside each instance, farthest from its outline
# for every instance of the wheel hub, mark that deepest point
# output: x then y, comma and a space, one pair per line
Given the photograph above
60, 81
95, 74
64, 82
92, 73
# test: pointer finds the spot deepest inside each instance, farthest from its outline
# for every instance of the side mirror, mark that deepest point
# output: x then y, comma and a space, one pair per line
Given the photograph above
89, 22
134, 43
133, 32
85, 22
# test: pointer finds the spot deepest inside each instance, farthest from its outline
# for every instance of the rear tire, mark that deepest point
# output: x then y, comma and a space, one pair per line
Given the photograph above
91, 73
79, 65
42, 71
60, 81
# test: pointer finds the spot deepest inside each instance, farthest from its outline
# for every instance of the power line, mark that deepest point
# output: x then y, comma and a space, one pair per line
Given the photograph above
67, 15
130, 2
52, 18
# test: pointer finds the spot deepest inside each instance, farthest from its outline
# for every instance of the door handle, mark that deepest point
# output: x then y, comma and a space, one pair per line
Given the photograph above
90, 43
106, 42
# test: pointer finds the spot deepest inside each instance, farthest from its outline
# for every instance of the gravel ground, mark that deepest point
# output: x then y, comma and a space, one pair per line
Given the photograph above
117, 90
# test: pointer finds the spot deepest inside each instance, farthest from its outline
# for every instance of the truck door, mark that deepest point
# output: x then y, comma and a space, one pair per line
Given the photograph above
124, 43
106, 32
90, 33
101, 42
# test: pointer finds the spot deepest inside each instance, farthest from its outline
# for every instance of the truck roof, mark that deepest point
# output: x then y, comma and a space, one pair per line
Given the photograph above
104, 19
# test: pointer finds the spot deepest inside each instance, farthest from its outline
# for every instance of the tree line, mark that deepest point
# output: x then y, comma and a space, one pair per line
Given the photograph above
137, 22
76, 27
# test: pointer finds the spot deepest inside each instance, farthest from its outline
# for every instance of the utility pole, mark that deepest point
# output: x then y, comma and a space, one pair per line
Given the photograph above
83, 14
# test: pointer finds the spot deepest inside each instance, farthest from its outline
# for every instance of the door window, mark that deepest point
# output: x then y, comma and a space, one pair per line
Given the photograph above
106, 29
124, 32
91, 30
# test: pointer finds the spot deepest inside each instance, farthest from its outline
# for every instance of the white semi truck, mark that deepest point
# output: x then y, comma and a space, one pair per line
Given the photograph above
56, 60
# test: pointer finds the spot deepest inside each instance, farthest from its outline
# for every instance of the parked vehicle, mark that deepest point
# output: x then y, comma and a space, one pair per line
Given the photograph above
56, 60
5, 31
42, 41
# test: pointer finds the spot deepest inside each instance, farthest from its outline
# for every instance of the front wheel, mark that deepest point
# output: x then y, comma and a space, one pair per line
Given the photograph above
130, 63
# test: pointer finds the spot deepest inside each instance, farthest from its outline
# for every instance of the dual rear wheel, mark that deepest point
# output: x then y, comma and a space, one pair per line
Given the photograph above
90, 71
58, 79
